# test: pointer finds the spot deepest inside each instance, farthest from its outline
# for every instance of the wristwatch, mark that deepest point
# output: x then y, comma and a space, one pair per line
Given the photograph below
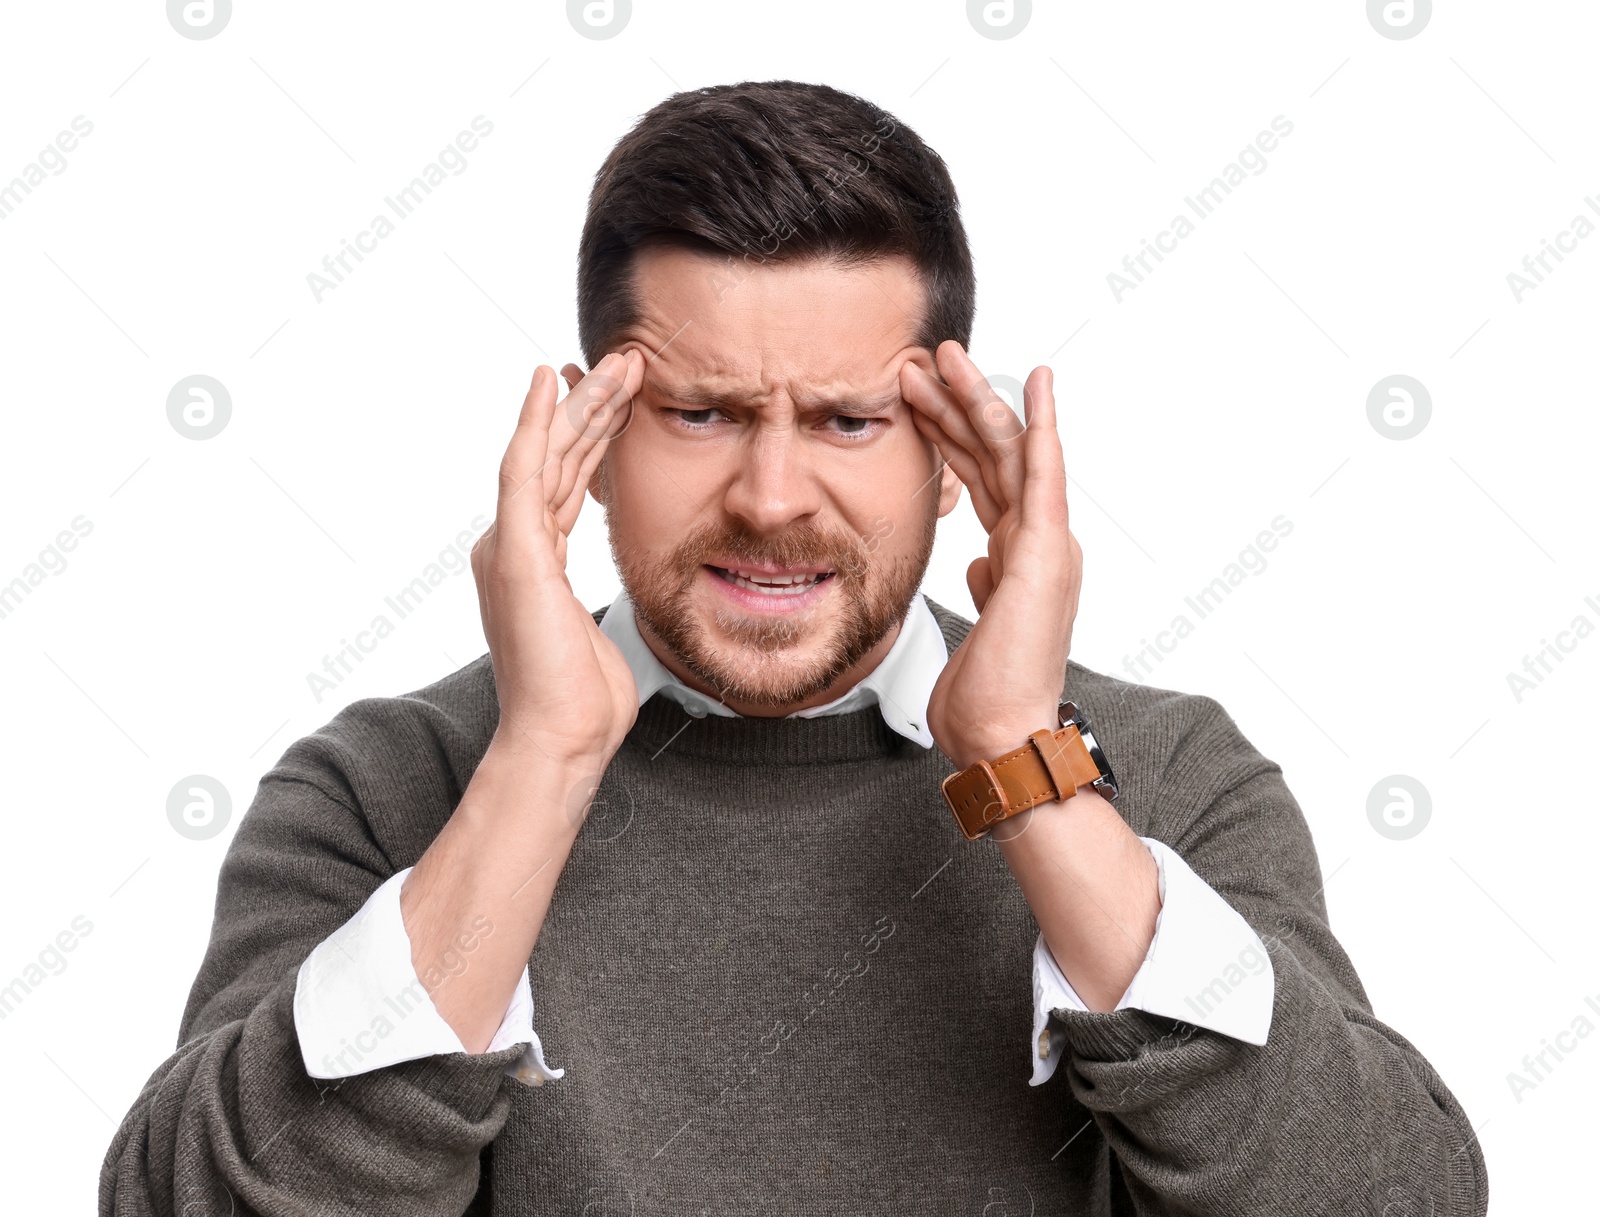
1051, 765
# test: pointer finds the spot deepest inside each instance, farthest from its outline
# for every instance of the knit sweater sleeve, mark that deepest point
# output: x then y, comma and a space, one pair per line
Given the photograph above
231, 1122
1337, 1113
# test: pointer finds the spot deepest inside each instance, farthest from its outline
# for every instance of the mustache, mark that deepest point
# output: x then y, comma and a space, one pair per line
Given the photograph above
803, 543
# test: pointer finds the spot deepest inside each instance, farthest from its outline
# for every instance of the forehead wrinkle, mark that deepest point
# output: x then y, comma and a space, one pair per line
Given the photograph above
754, 353
726, 390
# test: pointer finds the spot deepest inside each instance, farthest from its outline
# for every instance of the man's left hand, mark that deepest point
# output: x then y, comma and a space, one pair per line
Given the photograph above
1004, 680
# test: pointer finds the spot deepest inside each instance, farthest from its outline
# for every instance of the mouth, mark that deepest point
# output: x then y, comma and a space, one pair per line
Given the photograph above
772, 588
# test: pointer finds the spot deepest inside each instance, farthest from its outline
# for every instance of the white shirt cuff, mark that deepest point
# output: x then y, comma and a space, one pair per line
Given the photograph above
359, 1005
1205, 966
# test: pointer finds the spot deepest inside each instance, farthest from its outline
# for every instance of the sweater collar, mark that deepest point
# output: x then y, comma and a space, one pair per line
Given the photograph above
899, 686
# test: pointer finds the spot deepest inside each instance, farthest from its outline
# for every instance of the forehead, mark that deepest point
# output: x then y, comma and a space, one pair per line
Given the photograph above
733, 324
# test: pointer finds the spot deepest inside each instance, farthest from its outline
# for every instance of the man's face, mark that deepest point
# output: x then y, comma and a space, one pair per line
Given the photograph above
771, 505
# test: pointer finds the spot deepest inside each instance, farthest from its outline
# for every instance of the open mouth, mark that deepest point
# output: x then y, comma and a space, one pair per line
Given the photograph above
772, 583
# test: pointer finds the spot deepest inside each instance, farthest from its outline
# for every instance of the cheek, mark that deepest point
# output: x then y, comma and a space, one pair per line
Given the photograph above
652, 491
895, 534
883, 495
905, 483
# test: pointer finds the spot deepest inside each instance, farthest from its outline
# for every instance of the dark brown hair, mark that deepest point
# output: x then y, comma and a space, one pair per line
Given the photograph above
770, 171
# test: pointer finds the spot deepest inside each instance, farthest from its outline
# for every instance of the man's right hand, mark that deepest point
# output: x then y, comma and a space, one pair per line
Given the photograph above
565, 691
567, 699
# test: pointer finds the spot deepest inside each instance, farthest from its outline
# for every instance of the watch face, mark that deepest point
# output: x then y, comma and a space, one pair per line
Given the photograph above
1068, 712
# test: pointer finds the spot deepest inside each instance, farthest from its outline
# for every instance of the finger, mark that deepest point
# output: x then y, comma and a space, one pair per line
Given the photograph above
568, 423
561, 557
931, 399
994, 422
575, 488
517, 513
1044, 488
980, 582
966, 467
573, 374
482, 549
585, 417
596, 420
567, 511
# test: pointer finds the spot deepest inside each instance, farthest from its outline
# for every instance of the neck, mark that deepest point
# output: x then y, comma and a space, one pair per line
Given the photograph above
842, 684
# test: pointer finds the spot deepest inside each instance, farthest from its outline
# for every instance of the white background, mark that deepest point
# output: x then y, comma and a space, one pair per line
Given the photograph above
1228, 389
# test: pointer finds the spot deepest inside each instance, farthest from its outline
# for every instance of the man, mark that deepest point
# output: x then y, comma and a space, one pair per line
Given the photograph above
703, 838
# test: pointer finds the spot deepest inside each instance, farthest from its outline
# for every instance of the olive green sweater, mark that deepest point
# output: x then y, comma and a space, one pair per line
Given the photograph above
787, 986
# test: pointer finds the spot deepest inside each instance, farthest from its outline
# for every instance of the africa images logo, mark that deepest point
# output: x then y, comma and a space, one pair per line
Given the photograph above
199, 19
999, 19
599, 19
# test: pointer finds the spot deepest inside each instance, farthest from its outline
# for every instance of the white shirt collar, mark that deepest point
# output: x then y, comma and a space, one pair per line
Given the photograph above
900, 685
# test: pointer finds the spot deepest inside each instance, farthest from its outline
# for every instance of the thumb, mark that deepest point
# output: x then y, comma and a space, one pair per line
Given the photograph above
980, 582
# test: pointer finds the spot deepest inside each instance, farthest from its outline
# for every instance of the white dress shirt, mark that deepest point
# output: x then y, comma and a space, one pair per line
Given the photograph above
359, 1004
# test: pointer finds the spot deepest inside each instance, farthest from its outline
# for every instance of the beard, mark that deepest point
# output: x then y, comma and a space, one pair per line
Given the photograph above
774, 662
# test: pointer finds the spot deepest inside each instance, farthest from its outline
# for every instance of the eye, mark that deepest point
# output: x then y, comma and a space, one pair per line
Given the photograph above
855, 426
697, 418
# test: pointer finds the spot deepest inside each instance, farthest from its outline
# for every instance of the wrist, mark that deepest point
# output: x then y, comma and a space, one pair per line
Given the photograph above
997, 737
523, 786
513, 747
1049, 768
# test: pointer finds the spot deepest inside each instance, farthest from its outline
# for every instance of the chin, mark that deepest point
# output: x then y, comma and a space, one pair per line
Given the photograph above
767, 671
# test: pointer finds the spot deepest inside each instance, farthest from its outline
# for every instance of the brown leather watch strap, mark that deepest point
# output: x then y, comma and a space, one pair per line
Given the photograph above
1051, 765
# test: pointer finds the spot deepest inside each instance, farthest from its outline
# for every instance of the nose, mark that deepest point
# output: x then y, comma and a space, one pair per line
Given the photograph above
775, 484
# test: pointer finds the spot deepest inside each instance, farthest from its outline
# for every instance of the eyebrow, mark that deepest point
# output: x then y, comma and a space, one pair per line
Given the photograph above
847, 403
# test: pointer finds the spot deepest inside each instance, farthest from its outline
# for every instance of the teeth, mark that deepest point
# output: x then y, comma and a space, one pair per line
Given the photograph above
772, 580
771, 585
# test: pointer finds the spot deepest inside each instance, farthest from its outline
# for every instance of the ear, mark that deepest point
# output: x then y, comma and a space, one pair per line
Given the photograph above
949, 490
